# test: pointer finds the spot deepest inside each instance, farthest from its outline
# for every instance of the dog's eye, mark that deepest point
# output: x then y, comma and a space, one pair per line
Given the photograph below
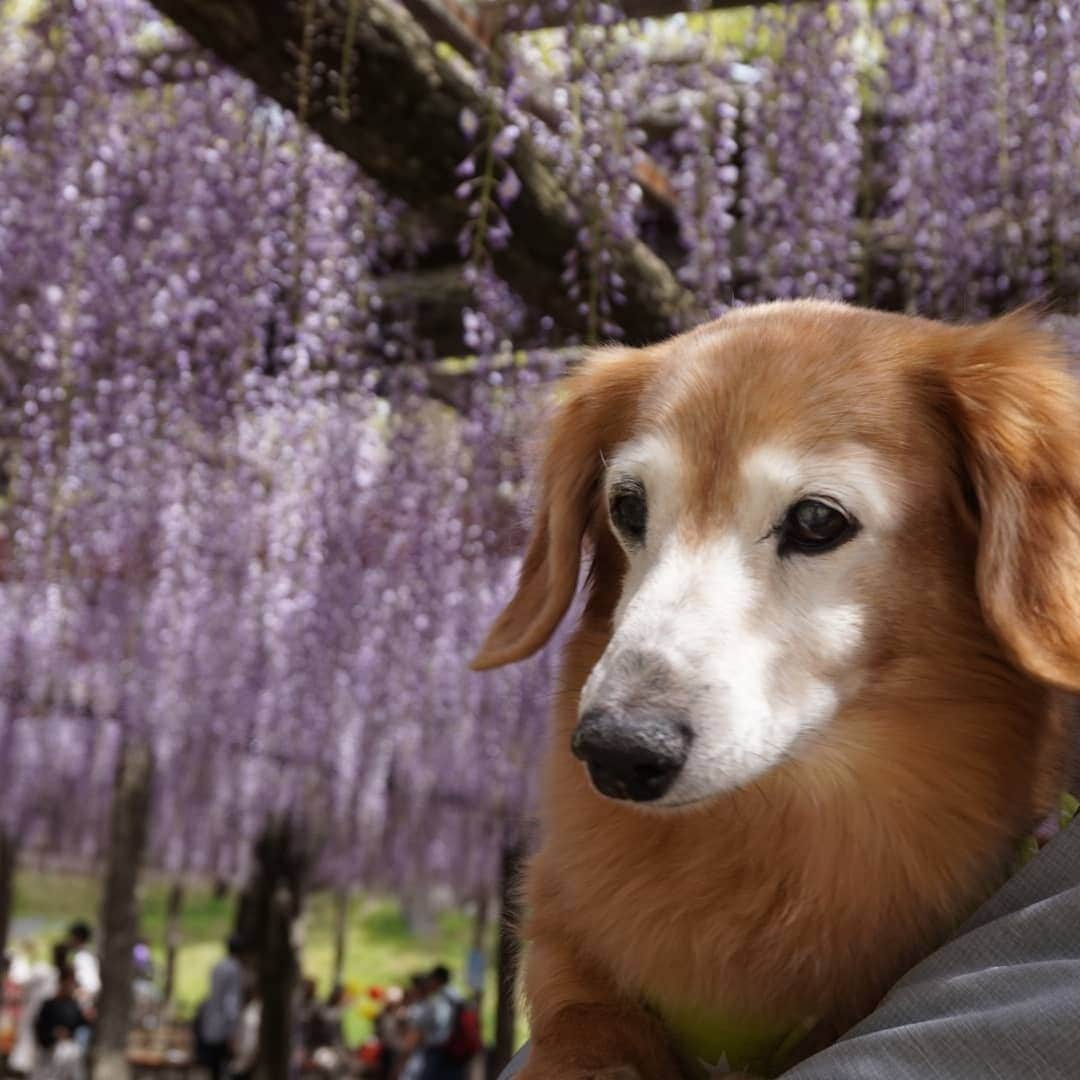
812, 526
629, 511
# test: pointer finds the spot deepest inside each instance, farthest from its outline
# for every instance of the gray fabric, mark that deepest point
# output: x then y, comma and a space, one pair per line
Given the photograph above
999, 1001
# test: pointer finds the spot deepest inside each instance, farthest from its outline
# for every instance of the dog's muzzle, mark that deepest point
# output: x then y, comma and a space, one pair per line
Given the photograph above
632, 755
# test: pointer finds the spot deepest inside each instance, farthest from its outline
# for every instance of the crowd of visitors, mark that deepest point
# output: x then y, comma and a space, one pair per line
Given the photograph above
228, 1021
427, 1030
49, 1005
57, 1001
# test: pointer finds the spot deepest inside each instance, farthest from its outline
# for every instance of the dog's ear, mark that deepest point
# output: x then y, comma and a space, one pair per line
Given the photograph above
1017, 412
597, 410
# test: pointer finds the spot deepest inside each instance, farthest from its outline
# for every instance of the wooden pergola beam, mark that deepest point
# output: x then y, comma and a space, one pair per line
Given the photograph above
487, 17
403, 130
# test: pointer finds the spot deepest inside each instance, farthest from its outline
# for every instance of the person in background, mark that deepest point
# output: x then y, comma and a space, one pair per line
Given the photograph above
10, 999
58, 1026
39, 984
306, 1005
143, 960
410, 1056
246, 1042
218, 1017
146, 997
392, 1030
84, 962
333, 1014
325, 1036
323, 1022
307, 1013
435, 1018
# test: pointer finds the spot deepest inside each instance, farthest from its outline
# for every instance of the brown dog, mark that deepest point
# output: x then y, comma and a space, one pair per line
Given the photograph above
810, 709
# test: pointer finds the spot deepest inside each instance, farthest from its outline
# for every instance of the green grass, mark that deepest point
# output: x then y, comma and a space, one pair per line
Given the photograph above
381, 949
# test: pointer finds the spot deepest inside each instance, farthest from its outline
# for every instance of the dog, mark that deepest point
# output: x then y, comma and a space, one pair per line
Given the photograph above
816, 697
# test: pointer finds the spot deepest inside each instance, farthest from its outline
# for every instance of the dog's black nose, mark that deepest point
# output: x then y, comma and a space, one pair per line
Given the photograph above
632, 756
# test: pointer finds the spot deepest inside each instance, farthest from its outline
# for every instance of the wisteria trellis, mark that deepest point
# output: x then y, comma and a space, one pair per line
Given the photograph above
241, 522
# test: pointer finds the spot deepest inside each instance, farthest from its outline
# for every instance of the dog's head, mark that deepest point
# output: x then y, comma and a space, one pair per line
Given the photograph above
785, 508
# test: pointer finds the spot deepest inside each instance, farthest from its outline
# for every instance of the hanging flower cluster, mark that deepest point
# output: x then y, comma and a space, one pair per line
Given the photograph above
249, 522
489, 184
802, 156
598, 164
977, 209
257, 625
694, 93
212, 513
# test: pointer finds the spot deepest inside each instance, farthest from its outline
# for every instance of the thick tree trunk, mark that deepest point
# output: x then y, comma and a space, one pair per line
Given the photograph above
341, 933
172, 937
128, 828
8, 856
507, 959
267, 920
404, 131
278, 978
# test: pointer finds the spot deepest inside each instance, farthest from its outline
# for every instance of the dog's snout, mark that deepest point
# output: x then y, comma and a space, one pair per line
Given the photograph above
629, 755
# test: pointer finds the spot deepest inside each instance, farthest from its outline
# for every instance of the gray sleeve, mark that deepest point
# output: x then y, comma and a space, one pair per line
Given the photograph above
999, 1001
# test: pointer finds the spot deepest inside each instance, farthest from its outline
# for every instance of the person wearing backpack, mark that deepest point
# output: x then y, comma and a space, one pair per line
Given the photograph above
449, 1029
465, 1041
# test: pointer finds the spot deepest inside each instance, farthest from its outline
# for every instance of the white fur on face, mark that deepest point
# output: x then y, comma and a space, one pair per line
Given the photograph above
761, 648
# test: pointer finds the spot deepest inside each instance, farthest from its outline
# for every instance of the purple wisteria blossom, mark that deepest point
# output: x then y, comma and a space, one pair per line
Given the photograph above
802, 156
251, 520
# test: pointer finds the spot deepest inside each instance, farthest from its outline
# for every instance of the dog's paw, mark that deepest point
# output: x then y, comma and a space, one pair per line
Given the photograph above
618, 1072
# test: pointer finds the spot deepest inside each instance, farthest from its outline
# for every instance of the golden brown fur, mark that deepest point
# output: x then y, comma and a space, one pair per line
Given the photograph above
811, 890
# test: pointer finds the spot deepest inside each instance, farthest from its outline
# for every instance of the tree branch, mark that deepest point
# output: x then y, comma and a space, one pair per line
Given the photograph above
488, 16
404, 132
